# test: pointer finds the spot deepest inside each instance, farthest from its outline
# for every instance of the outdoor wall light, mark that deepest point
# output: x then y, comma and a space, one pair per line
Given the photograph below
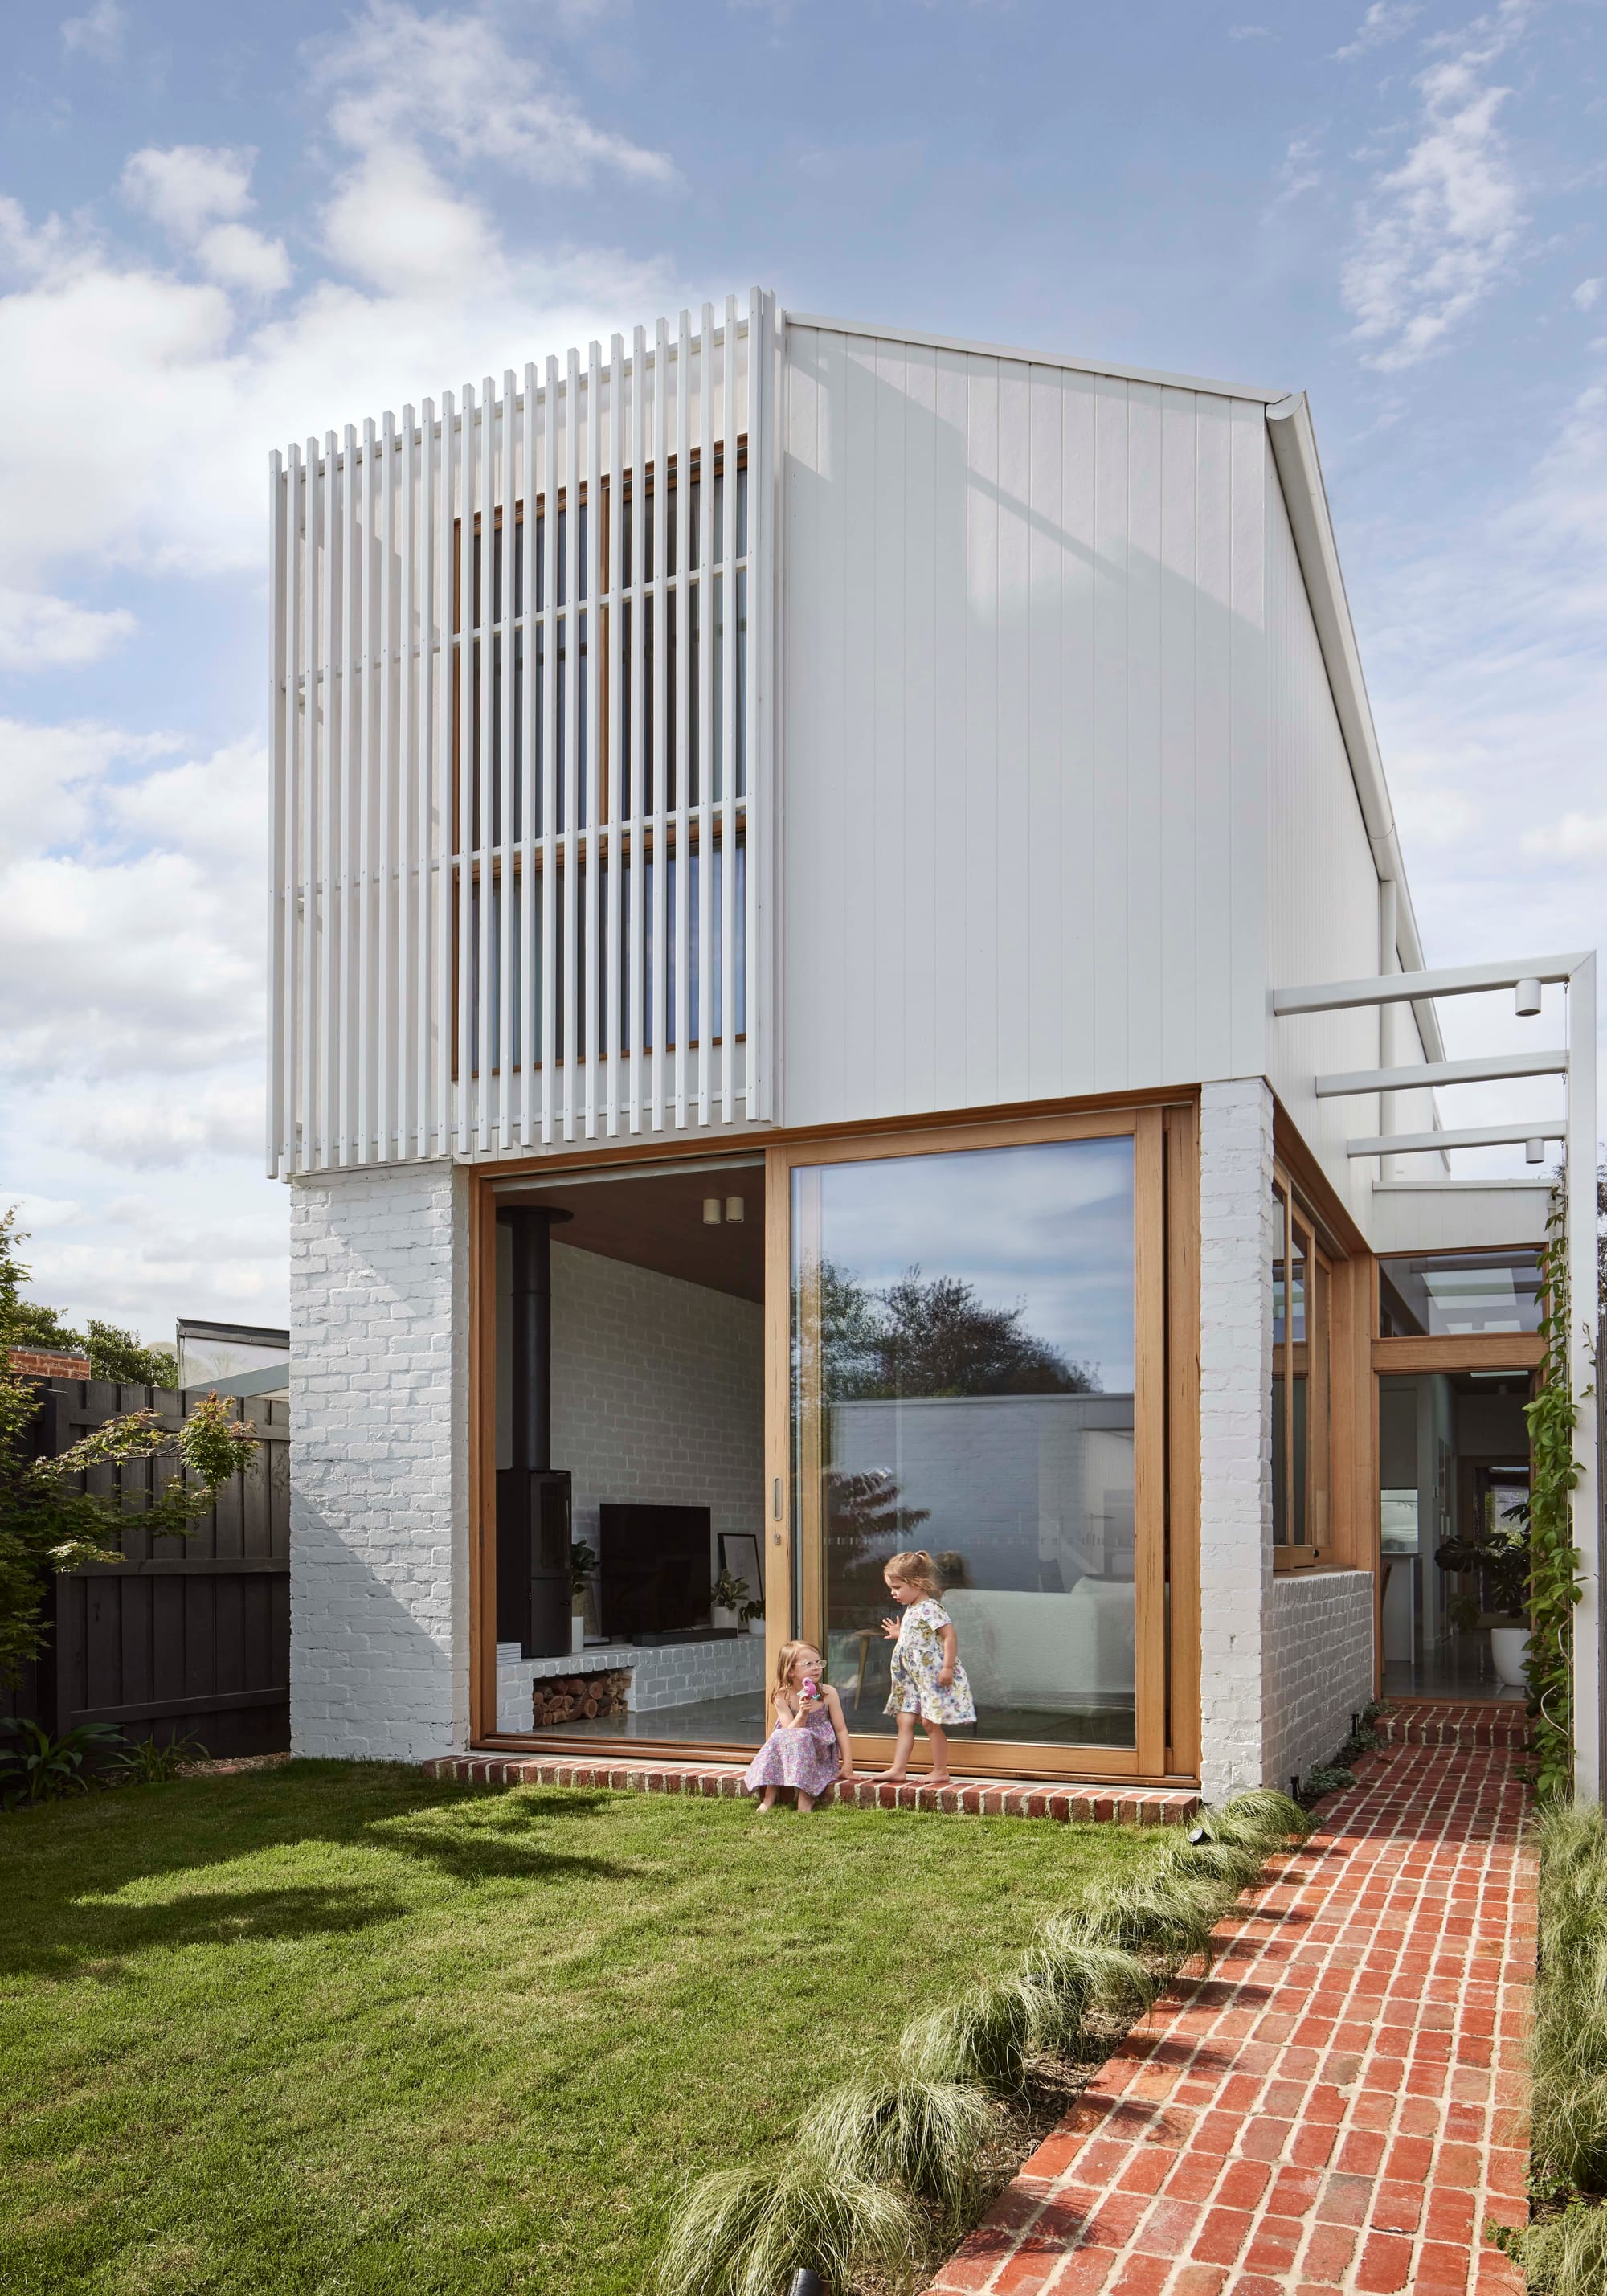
735, 1209
711, 1211
1529, 999
1534, 1151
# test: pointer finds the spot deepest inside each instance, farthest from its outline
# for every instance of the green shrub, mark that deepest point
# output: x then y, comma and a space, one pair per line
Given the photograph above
925, 2136
745, 2232
34, 1767
1260, 1818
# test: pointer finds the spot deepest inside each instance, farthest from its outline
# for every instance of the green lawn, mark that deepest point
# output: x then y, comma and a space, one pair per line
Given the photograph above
343, 2028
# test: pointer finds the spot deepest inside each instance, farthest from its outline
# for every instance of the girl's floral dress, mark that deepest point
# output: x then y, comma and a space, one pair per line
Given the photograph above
918, 1661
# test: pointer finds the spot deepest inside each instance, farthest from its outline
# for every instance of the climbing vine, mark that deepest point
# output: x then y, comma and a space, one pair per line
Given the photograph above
1553, 1559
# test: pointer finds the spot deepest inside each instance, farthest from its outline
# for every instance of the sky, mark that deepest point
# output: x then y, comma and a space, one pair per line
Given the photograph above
222, 229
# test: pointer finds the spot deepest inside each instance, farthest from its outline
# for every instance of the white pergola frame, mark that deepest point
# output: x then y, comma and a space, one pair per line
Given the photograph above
1577, 1063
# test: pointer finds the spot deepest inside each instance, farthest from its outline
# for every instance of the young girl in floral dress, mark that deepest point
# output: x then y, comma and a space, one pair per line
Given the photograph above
928, 1678
809, 1749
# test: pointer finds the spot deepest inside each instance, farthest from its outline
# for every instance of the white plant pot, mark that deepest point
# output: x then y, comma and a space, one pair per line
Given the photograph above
1509, 1647
724, 1618
757, 1626
577, 1630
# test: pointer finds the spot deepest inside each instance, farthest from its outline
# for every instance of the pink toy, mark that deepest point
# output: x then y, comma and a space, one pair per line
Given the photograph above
810, 1689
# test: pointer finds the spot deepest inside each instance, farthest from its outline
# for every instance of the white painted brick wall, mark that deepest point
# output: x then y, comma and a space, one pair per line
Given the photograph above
378, 1484
1235, 1428
1318, 1657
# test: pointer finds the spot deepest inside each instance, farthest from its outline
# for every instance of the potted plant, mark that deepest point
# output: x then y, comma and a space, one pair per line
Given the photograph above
1499, 1553
751, 1615
730, 1595
582, 1561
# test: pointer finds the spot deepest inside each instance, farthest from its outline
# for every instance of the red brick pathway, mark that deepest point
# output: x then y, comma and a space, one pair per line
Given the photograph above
1341, 2103
990, 1797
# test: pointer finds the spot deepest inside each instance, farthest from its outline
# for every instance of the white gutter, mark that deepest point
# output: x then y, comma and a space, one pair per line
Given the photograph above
1306, 499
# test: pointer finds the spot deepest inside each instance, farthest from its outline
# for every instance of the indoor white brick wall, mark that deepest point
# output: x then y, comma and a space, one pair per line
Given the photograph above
1318, 1658
379, 1483
672, 1674
658, 1393
1235, 1429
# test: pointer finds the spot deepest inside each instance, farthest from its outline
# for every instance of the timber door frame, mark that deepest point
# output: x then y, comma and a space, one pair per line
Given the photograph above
1165, 1418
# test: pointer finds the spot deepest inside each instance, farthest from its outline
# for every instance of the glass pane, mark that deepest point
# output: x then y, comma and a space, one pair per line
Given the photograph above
1280, 1360
963, 1381
1431, 1293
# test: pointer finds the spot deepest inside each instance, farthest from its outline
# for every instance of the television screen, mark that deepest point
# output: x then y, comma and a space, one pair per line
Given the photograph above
655, 1574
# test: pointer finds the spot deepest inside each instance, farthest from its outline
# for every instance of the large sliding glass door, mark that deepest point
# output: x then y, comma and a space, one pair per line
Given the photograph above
978, 1344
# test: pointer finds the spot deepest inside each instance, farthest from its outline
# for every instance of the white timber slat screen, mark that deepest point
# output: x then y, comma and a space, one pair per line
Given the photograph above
521, 762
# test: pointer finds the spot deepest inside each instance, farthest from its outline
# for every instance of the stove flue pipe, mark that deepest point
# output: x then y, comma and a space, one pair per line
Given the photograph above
530, 1428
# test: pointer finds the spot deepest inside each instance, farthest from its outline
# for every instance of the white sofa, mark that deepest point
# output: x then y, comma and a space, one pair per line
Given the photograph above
1059, 1651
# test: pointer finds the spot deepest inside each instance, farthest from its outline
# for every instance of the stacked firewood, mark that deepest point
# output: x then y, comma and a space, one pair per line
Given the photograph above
578, 1697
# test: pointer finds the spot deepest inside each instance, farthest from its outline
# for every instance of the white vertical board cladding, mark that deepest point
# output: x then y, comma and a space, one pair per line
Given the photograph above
1322, 893
1024, 730
520, 844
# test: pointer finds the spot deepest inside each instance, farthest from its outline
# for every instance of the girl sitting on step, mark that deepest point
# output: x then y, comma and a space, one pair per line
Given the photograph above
809, 1749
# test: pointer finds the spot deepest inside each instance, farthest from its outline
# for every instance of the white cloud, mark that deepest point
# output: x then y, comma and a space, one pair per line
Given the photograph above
98, 33
400, 76
1577, 837
189, 186
198, 192
44, 633
1439, 231
397, 227
236, 256
1385, 21
1586, 294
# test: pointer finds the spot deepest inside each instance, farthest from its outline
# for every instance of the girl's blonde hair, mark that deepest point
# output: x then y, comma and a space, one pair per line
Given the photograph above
914, 1569
786, 1658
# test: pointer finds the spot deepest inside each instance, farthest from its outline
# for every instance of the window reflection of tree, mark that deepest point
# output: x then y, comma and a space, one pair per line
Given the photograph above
917, 1337
932, 1336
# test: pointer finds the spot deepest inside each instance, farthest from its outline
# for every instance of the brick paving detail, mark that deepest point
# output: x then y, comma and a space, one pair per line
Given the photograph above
1343, 2102
1108, 1805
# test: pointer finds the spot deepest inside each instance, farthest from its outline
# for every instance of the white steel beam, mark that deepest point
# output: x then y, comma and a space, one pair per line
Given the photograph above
1489, 1070
1477, 1136
1584, 1311
1404, 988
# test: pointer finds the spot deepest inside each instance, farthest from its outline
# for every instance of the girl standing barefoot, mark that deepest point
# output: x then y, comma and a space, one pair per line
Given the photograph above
928, 1678
808, 1747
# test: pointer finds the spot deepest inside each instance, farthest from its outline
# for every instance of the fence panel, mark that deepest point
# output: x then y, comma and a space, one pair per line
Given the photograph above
188, 1636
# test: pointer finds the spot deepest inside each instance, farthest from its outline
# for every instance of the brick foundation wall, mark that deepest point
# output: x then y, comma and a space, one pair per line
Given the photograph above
1318, 1659
1235, 1429
378, 1484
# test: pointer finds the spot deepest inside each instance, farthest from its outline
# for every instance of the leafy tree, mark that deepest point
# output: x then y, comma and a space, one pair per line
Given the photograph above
864, 1523
32, 1326
47, 1524
118, 1354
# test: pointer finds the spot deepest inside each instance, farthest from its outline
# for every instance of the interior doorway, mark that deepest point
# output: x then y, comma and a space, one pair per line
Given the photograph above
1453, 1468
648, 1393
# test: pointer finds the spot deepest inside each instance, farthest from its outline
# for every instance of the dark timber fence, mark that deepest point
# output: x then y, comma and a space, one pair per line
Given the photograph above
186, 1637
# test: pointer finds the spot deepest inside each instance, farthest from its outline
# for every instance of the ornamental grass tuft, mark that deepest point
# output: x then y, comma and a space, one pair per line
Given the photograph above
745, 2232
1564, 2255
1569, 2057
927, 2136
984, 2036
1171, 1914
1260, 1818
